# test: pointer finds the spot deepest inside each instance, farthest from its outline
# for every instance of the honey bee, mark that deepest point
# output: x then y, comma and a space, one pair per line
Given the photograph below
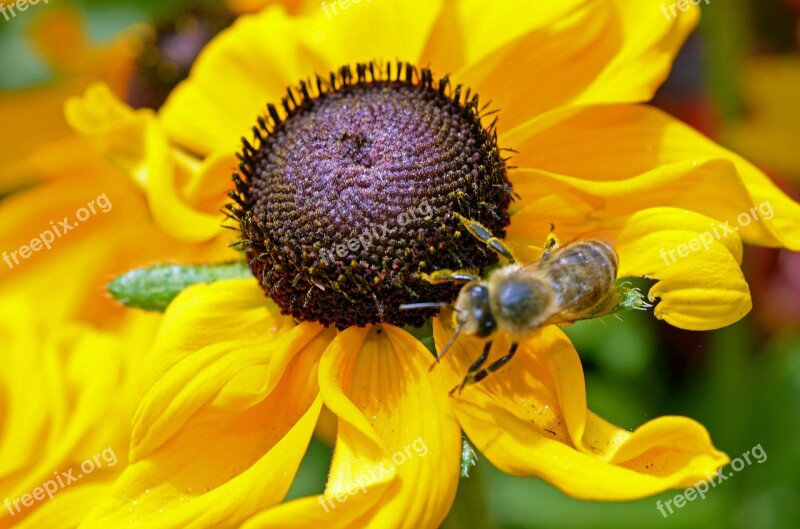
566, 284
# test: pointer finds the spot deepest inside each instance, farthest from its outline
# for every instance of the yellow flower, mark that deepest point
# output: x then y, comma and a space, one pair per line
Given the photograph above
770, 133
68, 395
33, 116
70, 352
83, 224
232, 390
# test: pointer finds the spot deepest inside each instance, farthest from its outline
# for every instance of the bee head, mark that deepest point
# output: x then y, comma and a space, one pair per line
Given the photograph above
473, 311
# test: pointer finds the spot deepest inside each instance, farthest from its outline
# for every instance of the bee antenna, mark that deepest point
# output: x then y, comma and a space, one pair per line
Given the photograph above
428, 305
447, 346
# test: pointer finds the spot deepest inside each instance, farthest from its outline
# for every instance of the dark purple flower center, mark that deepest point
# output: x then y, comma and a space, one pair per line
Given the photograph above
349, 194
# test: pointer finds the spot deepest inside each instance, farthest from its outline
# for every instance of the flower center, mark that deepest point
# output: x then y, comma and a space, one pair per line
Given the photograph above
351, 195
168, 54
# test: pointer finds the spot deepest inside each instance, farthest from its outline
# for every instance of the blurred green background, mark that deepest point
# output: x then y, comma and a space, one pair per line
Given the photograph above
738, 76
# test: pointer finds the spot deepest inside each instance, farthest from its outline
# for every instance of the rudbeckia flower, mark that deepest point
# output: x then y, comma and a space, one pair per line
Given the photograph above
85, 223
140, 64
769, 133
384, 150
68, 395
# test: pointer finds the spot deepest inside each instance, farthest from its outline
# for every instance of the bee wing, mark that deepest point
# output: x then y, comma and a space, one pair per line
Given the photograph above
602, 234
572, 310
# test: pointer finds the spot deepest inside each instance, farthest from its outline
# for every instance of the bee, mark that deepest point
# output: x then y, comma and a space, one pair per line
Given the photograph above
566, 284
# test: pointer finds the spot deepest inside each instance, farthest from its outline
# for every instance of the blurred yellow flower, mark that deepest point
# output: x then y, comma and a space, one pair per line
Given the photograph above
770, 134
232, 390
70, 352
59, 238
33, 116
68, 396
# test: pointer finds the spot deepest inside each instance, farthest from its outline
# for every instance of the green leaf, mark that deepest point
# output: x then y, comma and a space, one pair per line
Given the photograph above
154, 287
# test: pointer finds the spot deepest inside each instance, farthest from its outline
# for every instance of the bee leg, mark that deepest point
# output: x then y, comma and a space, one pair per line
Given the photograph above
475, 367
449, 276
550, 243
476, 376
482, 233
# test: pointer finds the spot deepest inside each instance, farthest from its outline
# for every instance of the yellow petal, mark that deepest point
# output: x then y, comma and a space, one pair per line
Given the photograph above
192, 323
170, 211
233, 79
530, 419
385, 31
616, 160
696, 262
136, 142
603, 52
227, 411
398, 446
648, 43
117, 130
227, 89
67, 393
469, 31
66, 509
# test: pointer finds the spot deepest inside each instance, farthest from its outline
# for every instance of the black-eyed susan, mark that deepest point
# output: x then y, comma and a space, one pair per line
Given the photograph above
68, 394
232, 389
69, 351
140, 64
85, 222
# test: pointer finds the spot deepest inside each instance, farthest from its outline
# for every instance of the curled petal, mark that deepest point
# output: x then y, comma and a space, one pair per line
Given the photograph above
136, 142
696, 263
530, 418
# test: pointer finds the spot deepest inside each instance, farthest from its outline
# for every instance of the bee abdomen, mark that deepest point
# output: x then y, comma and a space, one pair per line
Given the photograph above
584, 275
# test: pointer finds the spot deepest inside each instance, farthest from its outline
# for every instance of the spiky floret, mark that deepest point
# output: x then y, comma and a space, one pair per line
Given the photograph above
350, 191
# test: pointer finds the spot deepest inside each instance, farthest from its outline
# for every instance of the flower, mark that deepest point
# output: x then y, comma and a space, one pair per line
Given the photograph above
232, 390
132, 64
118, 236
68, 394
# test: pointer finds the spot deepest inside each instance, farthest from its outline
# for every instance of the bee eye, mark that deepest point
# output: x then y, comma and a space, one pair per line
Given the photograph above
481, 312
